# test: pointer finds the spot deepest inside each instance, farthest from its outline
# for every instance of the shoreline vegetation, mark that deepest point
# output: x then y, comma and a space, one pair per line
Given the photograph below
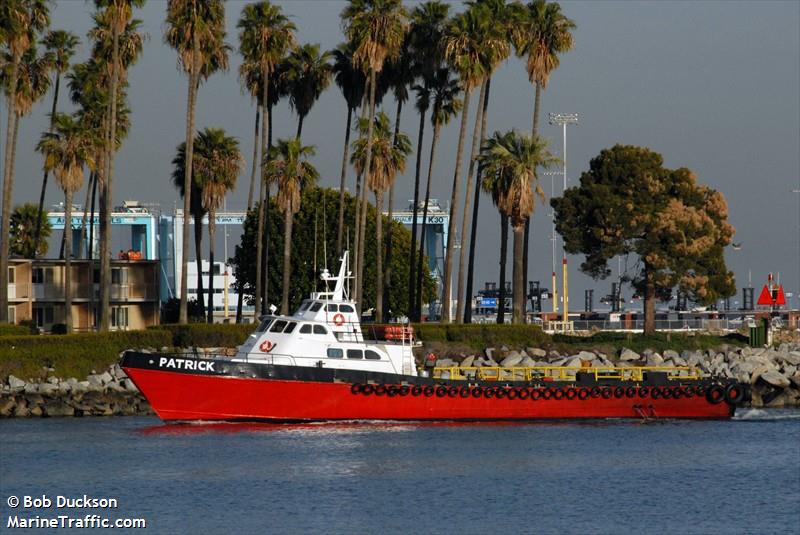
78, 374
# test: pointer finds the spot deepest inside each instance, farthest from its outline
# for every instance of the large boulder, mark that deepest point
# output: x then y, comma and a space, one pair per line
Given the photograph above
670, 354
574, 362
445, 363
654, 359
535, 352
490, 351
793, 358
527, 362
468, 361
628, 355
775, 379
512, 360
47, 388
16, 384
58, 408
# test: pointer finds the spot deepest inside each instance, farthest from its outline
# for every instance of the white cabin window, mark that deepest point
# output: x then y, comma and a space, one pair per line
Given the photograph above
332, 308
346, 308
355, 354
371, 355
319, 329
305, 329
290, 327
304, 305
335, 353
264, 325
278, 326
316, 306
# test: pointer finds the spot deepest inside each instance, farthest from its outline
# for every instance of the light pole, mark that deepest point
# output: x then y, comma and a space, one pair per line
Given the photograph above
564, 119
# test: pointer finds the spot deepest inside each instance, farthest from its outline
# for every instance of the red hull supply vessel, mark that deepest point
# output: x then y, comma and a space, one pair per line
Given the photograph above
316, 365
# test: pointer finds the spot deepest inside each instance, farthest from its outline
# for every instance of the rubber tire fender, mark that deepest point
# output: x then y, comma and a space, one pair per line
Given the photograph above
619, 392
536, 394
355, 388
655, 392
477, 392
557, 393
416, 390
501, 392
392, 390
547, 393
715, 394
380, 390
630, 392
367, 389
441, 391
523, 393
666, 392
606, 392
643, 392
511, 393
488, 392
570, 393
464, 392
404, 390
583, 394
595, 392
452, 391
428, 391
734, 394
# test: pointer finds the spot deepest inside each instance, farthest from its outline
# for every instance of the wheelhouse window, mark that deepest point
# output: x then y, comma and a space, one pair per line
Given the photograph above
290, 327
319, 329
332, 308
264, 324
304, 305
316, 306
278, 326
346, 308
305, 328
355, 354
371, 355
334, 353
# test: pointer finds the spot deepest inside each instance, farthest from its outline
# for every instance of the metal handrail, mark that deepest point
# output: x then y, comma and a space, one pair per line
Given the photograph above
563, 373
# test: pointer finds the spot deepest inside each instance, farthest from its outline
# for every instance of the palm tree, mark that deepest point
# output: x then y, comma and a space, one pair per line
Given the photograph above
112, 21
196, 30
20, 20
541, 32
23, 228
308, 73
510, 161
290, 171
216, 168
493, 18
61, 45
446, 105
463, 50
197, 210
376, 29
265, 36
350, 81
388, 155
424, 36
67, 149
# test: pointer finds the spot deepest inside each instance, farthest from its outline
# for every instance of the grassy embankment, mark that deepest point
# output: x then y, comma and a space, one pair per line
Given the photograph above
76, 355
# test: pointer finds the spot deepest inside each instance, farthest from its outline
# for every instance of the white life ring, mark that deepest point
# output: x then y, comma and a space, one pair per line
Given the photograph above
338, 320
266, 346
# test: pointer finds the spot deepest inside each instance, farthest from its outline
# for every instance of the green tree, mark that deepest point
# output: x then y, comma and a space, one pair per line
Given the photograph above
265, 37
316, 203
376, 29
541, 32
20, 21
494, 18
112, 21
388, 155
196, 30
627, 202
308, 74
60, 44
215, 171
446, 106
23, 231
67, 151
464, 49
289, 170
510, 161
351, 81
428, 21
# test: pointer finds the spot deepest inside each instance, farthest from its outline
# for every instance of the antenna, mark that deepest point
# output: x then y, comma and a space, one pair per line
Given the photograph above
324, 235
315, 248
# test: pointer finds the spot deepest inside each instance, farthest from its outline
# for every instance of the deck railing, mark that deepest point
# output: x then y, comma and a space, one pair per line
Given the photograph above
561, 373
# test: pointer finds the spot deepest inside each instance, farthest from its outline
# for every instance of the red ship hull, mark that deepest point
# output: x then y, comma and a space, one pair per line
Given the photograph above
189, 396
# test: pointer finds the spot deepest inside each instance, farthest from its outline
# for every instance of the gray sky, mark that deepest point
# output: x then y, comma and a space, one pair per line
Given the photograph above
713, 86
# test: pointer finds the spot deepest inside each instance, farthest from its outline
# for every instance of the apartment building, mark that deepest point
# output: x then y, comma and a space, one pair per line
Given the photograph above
36, 292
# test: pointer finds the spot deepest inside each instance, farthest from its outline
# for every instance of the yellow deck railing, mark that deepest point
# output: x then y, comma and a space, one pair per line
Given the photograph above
561, 373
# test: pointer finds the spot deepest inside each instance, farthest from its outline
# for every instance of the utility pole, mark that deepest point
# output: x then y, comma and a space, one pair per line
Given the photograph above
563, 119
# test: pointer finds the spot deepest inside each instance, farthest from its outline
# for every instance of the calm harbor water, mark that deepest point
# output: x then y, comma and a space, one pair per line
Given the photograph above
740, 476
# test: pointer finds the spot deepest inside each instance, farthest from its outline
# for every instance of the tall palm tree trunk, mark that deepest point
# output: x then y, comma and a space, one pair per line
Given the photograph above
519, 288
387, 275
254, 171
105, 249
68, 259
287, 259
37, 233
212, 232
501, 301
82, 242
649, 301
299, 127
421, 258
365, 107
412, 279
90, 254
535, 131
342, 182
475, 207
183, 315
198, 260
364, 204
268, 221
261, 238
462, 253
447, 291
8, 186
378, 256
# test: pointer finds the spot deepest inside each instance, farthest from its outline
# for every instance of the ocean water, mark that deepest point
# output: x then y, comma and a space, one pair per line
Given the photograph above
705, 477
